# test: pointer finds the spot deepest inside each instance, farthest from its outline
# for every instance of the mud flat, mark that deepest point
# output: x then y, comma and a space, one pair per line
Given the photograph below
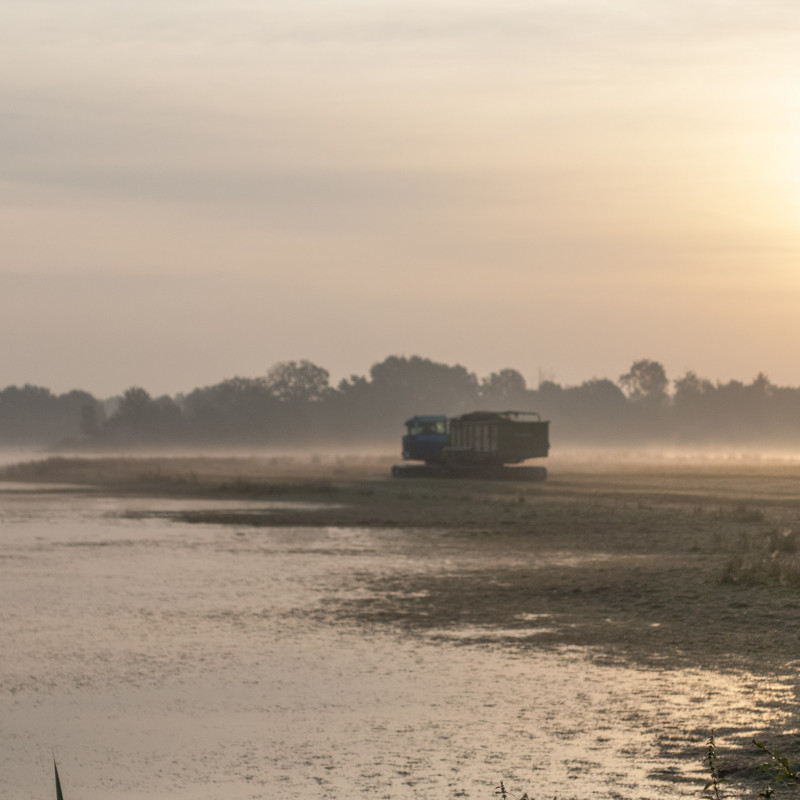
669, 562
690, 562
663, 565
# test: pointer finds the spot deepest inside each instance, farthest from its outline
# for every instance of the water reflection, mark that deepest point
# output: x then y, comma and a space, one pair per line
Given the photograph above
161, 659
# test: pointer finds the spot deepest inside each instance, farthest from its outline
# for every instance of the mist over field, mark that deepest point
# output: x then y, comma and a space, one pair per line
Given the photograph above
211, 585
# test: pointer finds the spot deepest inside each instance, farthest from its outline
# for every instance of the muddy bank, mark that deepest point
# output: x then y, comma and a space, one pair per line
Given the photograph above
675, 566
641, 560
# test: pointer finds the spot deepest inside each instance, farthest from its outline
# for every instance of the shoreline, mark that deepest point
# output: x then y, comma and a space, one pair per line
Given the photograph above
637, 564
662, 539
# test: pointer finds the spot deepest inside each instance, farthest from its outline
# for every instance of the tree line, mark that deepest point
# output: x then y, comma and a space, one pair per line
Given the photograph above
294, 405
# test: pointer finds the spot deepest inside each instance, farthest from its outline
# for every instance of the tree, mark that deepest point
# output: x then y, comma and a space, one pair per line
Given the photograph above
415, 385
91, 418
505, 388
135, 409
298, 382
690, 387
34, 415
646, 381
745, 409
141, 418
237, 409
696, 409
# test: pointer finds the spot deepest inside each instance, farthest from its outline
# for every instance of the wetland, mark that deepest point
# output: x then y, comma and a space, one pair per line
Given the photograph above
243, 627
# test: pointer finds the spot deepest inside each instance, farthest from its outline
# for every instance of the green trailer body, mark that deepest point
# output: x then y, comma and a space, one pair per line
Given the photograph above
486, 437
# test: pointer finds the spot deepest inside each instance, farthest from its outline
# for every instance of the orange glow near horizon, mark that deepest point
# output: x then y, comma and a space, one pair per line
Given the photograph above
576, 181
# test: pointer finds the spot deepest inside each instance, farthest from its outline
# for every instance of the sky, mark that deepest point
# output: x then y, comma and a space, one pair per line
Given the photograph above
192, 191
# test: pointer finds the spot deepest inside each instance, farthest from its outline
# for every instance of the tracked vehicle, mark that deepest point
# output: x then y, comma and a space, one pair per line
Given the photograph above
482, 444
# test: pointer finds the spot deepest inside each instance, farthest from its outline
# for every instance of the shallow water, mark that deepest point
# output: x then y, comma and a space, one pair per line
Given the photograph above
161, 659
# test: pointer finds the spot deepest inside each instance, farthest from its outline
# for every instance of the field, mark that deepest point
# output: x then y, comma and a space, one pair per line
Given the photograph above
676, 564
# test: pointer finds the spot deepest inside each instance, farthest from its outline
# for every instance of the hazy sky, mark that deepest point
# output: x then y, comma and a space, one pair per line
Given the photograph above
195, 190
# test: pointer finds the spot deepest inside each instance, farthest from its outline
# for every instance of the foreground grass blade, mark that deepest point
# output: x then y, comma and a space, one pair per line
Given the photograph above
59, 796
